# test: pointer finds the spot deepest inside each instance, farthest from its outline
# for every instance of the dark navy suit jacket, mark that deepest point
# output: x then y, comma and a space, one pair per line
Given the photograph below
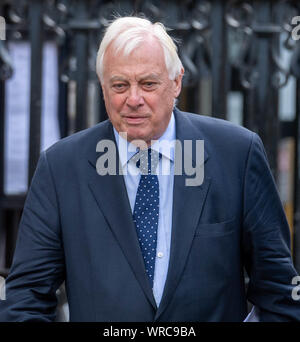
77, 226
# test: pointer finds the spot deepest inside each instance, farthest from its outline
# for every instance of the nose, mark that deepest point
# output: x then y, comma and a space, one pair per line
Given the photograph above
135, 98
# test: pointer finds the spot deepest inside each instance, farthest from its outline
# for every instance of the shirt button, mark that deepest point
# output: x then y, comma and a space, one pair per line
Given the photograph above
160, 254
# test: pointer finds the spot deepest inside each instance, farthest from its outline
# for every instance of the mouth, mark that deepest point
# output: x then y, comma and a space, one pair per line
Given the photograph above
135, 119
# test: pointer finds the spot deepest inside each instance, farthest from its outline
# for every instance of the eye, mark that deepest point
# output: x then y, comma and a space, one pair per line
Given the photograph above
149, 85
119, 86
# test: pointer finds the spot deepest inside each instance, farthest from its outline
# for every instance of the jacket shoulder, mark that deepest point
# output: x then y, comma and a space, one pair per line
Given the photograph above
218, 131
214, 125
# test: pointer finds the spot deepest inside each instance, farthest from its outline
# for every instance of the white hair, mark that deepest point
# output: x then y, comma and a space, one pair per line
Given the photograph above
127, 33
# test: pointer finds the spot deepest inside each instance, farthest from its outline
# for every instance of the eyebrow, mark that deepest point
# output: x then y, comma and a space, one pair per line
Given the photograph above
151, 76
117, 78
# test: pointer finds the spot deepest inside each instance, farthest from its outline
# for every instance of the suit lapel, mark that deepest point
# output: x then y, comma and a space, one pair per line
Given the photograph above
110, 194
188, 202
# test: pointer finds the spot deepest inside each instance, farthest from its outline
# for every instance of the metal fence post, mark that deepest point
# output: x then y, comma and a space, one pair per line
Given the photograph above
36, 41
219, 63
81, 51
296, 238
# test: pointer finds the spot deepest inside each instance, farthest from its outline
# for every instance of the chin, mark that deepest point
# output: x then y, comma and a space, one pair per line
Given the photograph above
137, 135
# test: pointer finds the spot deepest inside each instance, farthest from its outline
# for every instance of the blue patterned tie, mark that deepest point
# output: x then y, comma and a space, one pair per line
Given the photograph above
146, 208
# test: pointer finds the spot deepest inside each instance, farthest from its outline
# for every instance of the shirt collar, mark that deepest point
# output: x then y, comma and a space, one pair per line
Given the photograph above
127, 149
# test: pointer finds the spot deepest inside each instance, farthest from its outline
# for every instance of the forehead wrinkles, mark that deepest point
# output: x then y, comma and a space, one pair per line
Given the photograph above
139, 65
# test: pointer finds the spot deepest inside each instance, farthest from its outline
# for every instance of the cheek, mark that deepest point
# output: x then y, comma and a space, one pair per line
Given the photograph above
160, 103
114, 103
157, 101
165, 102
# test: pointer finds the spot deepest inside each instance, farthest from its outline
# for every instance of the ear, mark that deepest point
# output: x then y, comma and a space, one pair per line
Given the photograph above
178, 83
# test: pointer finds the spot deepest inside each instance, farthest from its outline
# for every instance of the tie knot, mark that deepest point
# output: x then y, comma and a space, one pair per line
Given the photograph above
147, 160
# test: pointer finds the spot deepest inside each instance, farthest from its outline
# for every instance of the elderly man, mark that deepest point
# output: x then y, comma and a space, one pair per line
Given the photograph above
144, 245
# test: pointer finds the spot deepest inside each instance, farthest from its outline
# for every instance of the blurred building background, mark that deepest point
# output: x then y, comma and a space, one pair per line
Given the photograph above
241, 59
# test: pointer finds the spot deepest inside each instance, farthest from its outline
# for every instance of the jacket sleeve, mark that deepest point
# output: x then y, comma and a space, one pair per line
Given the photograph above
266, 242
38, 265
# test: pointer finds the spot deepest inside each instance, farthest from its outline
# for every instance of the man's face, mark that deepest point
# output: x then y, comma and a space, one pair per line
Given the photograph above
138, 93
